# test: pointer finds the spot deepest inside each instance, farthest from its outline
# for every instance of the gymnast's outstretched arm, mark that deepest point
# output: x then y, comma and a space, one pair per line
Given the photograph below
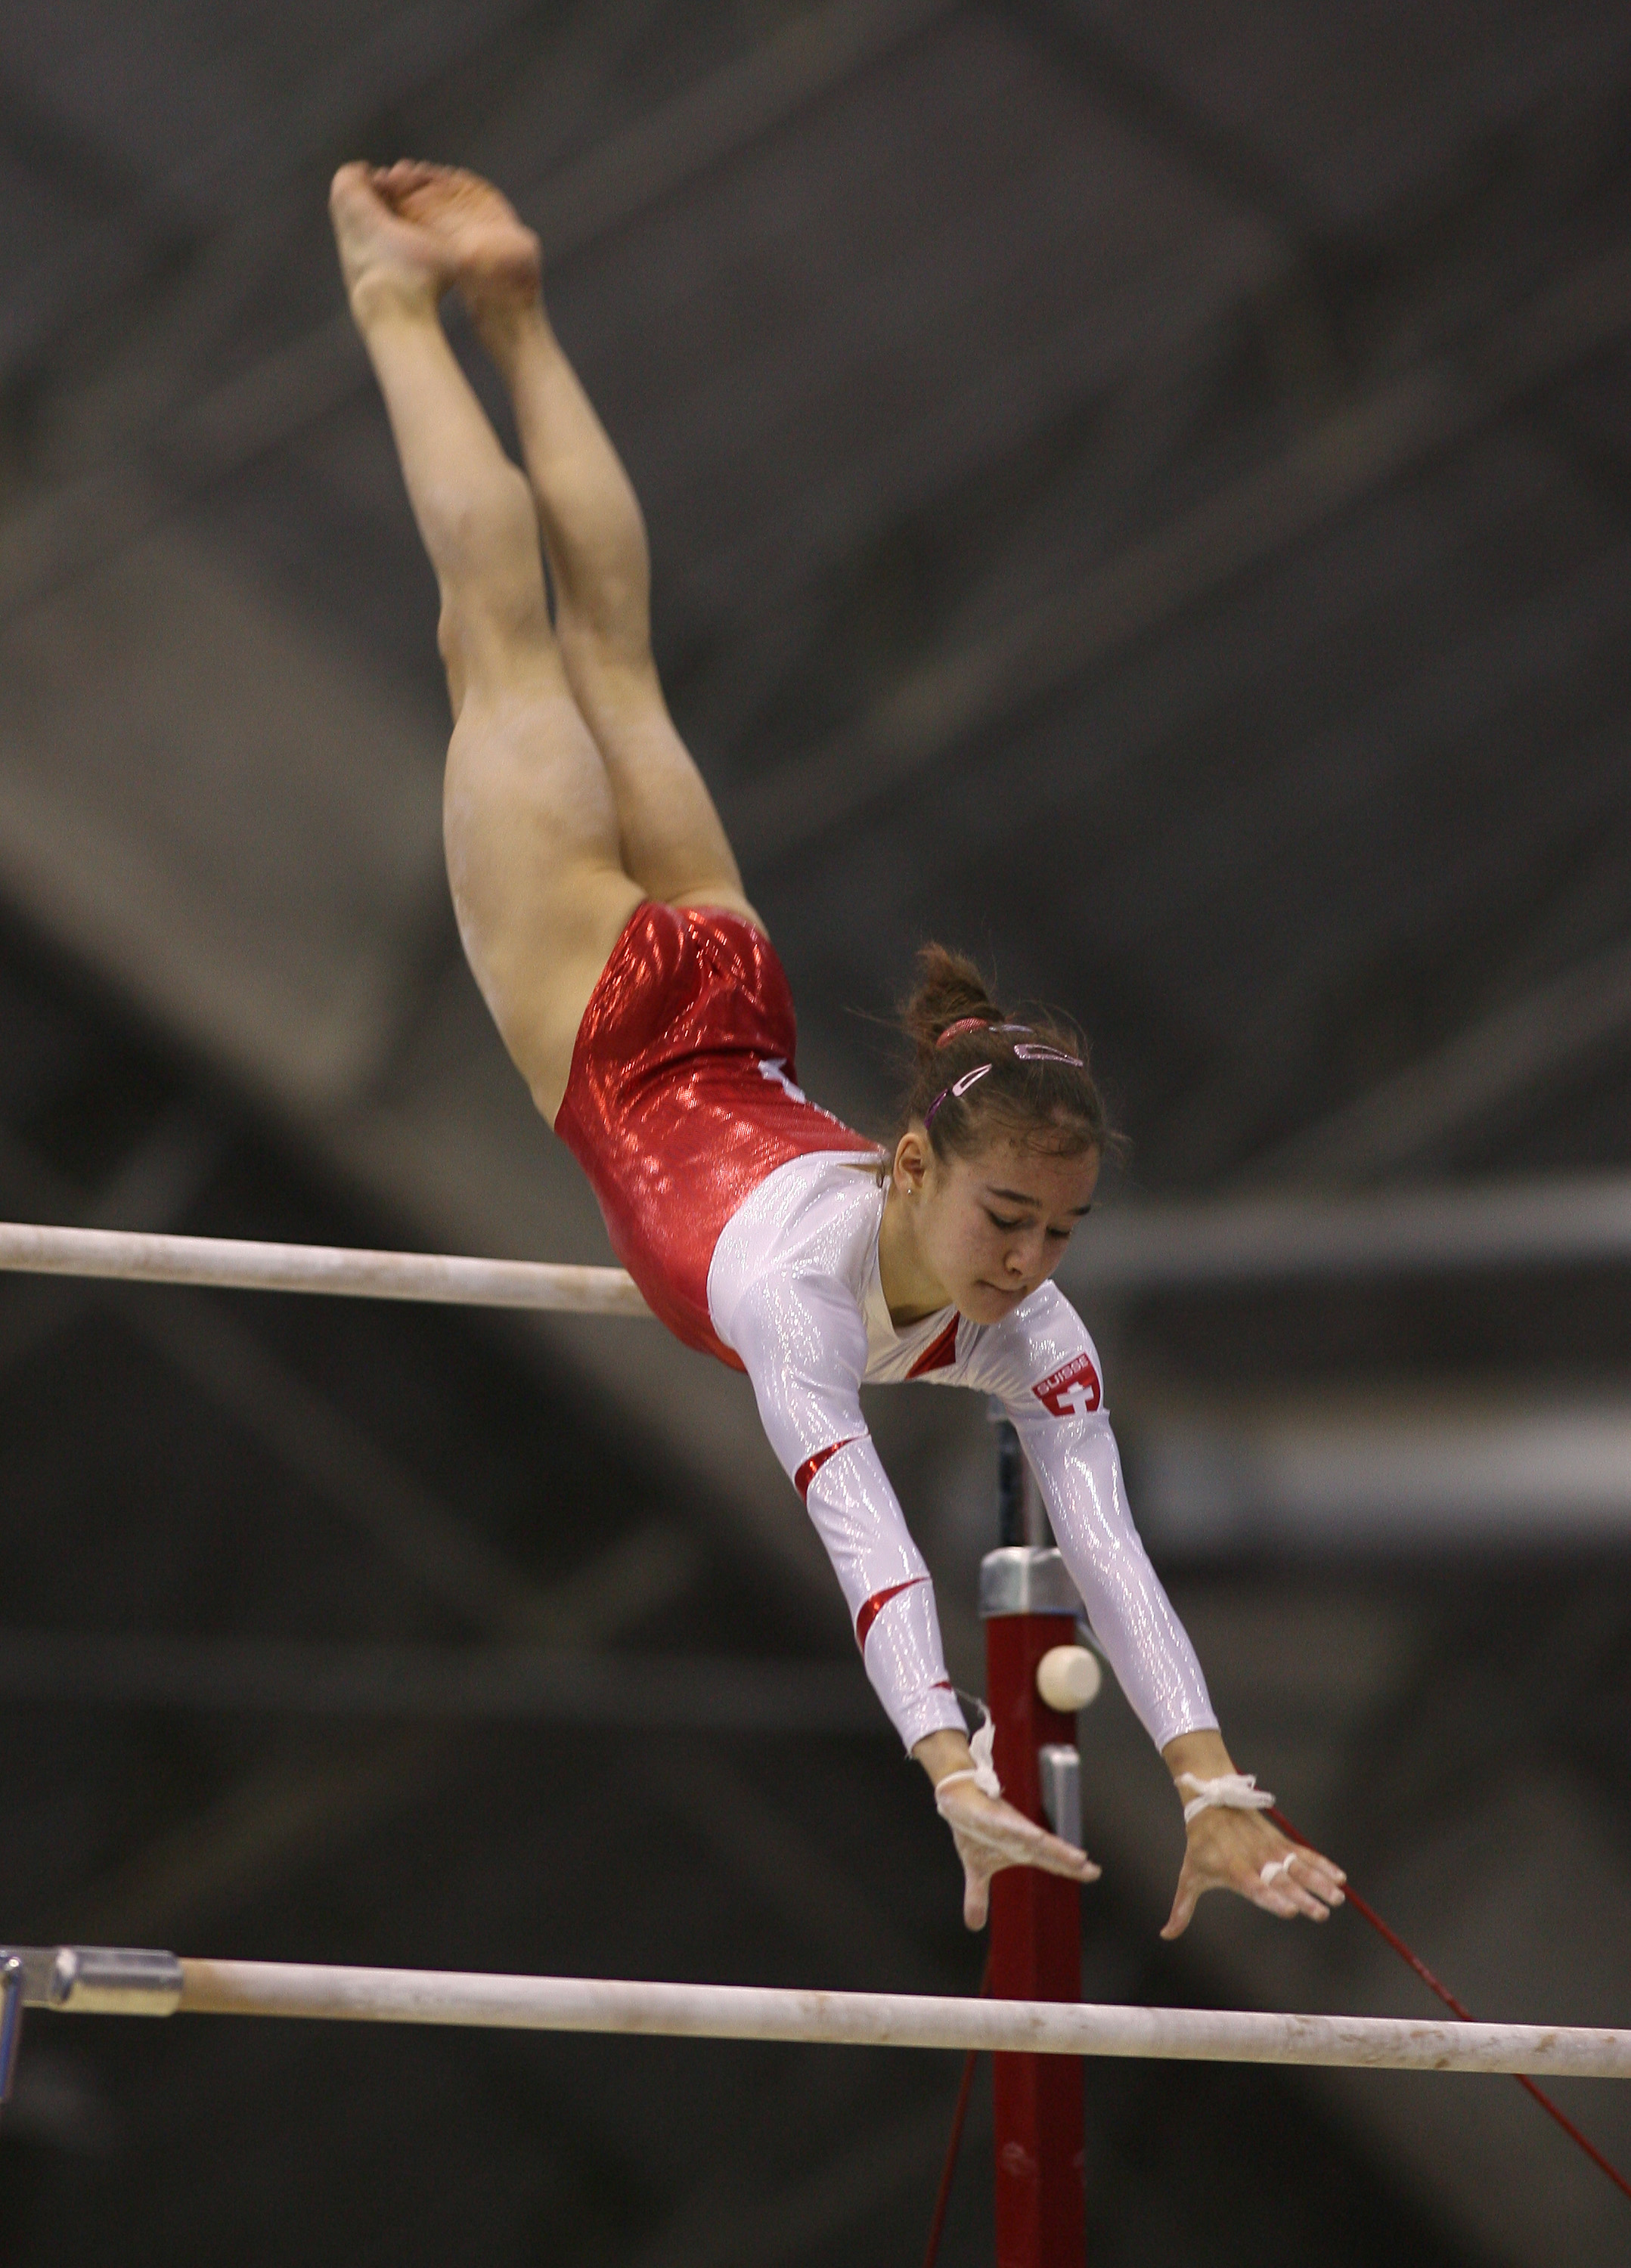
1074, 1454
804, 1345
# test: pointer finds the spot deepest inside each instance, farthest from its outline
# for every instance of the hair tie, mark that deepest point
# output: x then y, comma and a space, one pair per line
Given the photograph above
966, 1024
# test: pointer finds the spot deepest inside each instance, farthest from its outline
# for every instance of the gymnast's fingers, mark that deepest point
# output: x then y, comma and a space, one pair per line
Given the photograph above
1189, 1889
1027, 1845
1313, 1878
975, 1896
1281, 1889
1055, 1857
1323, 1876
1305, 1902
992, 1835
1324, 1883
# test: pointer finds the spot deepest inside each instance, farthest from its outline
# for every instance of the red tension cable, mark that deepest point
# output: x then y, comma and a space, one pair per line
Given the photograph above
1413, 1960
955, 2142
1369, 1914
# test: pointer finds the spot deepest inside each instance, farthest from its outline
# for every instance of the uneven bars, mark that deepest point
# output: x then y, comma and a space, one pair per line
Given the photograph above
109, 1981
233, 1265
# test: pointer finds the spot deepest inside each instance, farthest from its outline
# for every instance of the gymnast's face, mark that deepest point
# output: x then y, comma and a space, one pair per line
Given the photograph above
986, 1230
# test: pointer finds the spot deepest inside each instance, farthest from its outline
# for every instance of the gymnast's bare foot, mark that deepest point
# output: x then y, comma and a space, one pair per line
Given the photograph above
382, 257
496, 256
415, 229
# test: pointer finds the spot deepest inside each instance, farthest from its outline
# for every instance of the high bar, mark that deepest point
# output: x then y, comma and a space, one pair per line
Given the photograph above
108, 1981
231, 1264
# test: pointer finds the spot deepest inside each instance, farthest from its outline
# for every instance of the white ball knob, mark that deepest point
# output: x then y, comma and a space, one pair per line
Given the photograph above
1069, 1677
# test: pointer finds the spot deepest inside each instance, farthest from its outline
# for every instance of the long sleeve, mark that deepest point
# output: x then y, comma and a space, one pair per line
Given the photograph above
1045, 1368
803, 1343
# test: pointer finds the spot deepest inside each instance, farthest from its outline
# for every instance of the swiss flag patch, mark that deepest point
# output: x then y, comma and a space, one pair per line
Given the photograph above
1072, 1390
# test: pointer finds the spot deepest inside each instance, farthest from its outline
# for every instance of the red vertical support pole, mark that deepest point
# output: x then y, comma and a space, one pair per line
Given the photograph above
1029, 1606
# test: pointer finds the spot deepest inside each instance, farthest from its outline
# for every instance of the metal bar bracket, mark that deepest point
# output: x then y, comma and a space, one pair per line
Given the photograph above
95, 1980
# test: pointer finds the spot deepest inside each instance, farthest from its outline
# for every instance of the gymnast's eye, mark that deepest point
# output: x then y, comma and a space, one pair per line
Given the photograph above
997, 1220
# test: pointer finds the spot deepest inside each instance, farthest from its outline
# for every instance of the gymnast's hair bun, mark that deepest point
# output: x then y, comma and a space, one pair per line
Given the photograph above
950, 990
1031, 1082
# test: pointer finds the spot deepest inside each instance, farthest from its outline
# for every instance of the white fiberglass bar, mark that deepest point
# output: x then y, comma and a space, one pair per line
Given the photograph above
232, 1265
92, 1979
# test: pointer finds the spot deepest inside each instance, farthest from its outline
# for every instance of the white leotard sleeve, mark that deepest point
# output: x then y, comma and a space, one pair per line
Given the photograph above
803, 1342
787, 1290
1046, 1370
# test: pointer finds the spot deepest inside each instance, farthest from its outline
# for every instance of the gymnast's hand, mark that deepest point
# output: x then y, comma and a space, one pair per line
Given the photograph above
1241, 1851
989, 1833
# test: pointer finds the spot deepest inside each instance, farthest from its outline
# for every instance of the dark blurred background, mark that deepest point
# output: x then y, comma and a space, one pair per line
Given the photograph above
1140, 492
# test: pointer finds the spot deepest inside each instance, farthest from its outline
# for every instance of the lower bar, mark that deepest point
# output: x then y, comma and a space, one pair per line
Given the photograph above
89, 1979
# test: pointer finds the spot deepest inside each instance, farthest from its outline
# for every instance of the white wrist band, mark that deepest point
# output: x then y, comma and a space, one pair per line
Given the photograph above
983, 1772
1230, 1792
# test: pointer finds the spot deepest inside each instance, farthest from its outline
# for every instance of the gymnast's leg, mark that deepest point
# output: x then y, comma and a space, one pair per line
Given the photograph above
530, 820
673, 843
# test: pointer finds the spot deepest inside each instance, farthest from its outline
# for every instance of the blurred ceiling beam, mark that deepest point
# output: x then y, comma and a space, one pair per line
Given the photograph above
649, 162
491, 1683
226, 206
1576, 1220
1325, 472
1227, 162
773, 1847
209, 797
150, 1188
313, 1795
1338, 1472
292, 1807
201, 441
1551, 1033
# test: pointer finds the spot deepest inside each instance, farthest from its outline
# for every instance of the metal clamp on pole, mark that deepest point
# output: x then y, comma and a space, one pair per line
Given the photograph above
96, 1980
1058, 1767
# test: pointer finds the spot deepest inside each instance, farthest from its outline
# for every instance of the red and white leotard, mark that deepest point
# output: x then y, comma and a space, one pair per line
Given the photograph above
750, 1219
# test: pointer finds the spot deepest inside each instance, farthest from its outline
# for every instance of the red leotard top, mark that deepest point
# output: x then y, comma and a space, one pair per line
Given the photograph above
683, 1098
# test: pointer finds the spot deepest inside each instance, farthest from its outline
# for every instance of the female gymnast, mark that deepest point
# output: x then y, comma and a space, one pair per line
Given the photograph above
638, 995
